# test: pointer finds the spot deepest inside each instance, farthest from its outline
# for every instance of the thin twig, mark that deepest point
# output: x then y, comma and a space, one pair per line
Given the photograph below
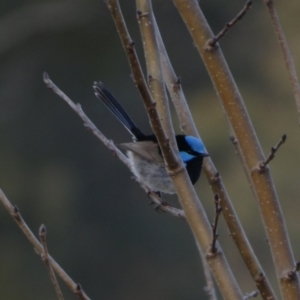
45, 258
87, 122
286, 52
111, 146
274, 149
212, 42
251, 295
214, 226
79, 292
237, 148
15, 213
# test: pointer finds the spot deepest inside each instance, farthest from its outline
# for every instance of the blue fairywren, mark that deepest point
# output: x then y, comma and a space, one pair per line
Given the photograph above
144, 153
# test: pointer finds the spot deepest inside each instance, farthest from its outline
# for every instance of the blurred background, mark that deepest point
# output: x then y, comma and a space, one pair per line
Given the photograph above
101, 228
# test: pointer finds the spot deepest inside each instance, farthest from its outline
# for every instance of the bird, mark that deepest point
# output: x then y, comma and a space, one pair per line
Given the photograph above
144, 153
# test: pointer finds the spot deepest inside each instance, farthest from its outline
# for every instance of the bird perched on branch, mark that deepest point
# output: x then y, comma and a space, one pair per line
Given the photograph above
144, 153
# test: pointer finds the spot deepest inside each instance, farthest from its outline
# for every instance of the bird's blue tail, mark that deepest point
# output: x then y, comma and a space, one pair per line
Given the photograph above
108, 99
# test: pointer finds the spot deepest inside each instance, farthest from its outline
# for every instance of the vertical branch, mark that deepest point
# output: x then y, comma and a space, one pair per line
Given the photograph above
188, 126
140, 82
250, 148
129, 47
209, 288
153, 62
286, 52
193, 209
214, 225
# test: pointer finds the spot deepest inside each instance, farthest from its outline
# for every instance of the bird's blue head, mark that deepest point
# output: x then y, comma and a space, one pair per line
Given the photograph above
190, 147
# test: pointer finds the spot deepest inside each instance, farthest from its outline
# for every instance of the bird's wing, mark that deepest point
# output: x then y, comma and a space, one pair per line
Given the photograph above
145, 149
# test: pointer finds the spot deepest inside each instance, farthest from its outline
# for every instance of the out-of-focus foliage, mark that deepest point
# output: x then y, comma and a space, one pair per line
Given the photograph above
100, 226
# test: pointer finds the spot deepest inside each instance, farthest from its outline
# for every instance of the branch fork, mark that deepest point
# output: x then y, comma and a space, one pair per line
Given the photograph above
212, 43
262, 166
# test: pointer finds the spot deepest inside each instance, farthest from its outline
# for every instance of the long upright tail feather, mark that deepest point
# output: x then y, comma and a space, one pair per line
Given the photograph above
108, 99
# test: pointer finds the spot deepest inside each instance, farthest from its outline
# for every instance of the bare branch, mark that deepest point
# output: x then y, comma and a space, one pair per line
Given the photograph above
209, 289
215, 181
87, 122
191, 205
45, 258
248, 143
286, 52
111, 146
137, 73
213, 41
15, 213
218, 210
274, 149
162, 126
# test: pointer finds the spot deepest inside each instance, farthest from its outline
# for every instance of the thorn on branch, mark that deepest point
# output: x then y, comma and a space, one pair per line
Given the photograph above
16, 209
150, 78
211, 44
262, 166
78, 288
260, 278
218, 210
177, 84
152, 107
141, 14
166, 142
291, 274
215, 178
130, 47
80, 293
233, 140
44, 254
42, 231
251, 295
297, 266
16, 213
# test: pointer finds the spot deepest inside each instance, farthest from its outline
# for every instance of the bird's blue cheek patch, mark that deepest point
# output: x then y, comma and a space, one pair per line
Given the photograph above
185, 156
196, 144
